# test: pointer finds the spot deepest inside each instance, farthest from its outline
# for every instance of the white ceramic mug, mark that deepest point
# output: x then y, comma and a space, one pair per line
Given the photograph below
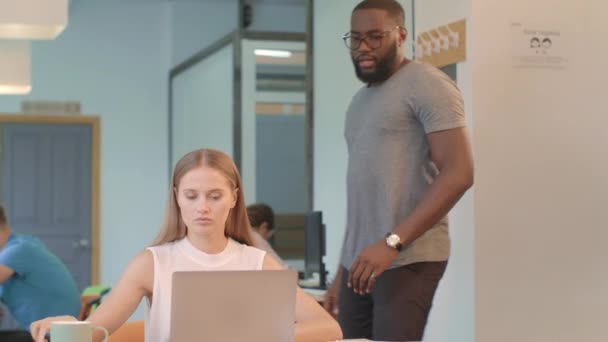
74, 331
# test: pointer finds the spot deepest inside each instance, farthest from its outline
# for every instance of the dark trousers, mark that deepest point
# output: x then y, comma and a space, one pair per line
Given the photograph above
15, 336
398, 307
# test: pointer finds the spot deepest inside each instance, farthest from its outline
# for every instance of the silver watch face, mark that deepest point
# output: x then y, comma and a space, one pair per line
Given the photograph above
392, 240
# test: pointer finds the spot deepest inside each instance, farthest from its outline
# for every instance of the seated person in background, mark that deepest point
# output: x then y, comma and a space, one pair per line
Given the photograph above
34, 283
261, 217
205, 228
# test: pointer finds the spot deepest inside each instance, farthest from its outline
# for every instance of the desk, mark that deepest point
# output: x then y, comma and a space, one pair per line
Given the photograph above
362, 340
15, 336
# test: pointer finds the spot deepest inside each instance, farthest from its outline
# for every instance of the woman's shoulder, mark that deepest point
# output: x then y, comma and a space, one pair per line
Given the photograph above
163, 246
164, 252
244, 247
253, 250
142, 263
252, 256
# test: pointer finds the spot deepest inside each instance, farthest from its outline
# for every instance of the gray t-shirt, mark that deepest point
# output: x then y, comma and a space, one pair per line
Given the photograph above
389, 164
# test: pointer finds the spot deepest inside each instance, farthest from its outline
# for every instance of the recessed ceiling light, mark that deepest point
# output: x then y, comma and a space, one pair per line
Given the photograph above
273, 53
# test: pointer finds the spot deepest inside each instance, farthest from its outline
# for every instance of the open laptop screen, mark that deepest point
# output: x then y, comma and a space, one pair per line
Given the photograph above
233, 306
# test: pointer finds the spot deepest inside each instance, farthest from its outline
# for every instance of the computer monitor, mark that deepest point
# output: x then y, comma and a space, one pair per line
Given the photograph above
314, 236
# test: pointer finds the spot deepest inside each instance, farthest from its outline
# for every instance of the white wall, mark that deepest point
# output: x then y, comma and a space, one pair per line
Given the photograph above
541, 183
452, 317
114, 58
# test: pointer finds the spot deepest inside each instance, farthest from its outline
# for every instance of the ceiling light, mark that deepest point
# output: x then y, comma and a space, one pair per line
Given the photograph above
273, 53
15, 65
32, 19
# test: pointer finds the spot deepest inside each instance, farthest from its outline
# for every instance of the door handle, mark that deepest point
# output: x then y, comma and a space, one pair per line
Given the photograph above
82, 243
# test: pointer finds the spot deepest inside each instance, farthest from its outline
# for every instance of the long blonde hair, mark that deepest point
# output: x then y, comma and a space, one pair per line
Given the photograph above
237, 224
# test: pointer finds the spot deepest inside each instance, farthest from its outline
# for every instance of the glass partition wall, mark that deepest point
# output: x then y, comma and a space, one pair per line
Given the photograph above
202, 103
247, 96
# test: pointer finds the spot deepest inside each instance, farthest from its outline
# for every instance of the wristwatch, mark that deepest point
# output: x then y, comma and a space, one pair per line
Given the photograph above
393, 241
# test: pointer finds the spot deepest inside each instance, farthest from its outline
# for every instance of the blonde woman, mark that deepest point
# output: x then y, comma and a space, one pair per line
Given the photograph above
206, 228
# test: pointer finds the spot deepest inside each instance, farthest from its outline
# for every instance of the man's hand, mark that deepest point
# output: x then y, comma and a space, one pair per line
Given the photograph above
5, 273
368, 266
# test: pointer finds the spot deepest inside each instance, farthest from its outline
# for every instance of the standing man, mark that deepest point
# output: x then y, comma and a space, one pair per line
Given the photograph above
409, 163
34, 283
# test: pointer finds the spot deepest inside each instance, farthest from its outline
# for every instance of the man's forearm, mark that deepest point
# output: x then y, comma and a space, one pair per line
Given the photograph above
440, 198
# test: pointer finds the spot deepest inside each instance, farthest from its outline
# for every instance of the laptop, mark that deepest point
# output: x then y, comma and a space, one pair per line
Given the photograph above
234, 306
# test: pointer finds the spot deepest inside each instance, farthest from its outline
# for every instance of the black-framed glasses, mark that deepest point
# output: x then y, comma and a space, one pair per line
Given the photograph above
373, 40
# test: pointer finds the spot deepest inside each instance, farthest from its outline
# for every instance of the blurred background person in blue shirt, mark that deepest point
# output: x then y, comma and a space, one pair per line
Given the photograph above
34, 283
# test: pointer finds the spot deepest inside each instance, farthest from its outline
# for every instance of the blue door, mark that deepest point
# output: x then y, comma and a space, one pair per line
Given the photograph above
46, 188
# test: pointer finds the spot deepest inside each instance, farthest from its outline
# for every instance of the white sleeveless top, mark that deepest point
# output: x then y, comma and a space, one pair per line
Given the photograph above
183, 256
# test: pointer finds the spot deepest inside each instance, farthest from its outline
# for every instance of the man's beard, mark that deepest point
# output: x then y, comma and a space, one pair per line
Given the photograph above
383, 68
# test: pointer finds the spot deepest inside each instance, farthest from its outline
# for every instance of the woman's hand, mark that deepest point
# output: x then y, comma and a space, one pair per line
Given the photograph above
332, 295
40, 328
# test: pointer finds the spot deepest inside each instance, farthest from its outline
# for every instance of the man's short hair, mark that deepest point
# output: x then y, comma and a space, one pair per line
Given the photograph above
392, 7
2, 216
259, 213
